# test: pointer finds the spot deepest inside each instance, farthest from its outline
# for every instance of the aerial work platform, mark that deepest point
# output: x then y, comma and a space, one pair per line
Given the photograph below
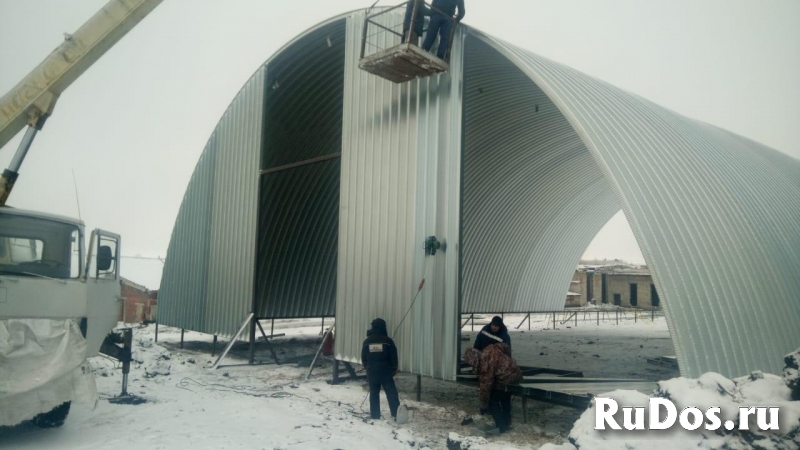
404, 62
389, 45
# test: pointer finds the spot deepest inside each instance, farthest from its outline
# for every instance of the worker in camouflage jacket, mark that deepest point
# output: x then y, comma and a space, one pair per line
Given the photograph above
495, 369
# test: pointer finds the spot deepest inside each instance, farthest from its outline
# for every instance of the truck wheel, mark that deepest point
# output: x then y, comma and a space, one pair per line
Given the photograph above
54, 418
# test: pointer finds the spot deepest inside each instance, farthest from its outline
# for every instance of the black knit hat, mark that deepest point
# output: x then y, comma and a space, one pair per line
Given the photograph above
497, 321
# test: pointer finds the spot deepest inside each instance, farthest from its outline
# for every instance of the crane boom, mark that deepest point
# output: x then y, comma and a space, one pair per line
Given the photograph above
33, 98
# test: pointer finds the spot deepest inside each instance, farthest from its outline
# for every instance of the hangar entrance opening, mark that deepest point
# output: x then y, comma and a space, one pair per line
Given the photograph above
533, 199
298, 215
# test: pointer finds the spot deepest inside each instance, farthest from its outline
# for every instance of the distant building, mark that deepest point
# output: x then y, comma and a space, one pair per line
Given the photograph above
140, 304
618, 284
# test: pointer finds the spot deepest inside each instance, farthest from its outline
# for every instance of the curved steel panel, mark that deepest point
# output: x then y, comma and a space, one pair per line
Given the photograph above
717, 218
401, 150
207, 284
533, 197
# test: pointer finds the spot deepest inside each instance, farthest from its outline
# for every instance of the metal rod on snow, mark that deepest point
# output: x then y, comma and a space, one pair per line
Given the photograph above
319, 350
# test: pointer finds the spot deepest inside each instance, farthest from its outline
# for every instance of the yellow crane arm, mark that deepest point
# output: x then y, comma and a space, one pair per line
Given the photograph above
33, 98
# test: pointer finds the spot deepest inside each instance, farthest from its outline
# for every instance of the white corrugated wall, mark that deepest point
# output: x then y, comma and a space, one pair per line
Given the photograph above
208, 275
400, 183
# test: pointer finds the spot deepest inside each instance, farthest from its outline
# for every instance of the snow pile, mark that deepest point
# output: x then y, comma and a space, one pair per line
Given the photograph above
710, 389
791, 373
457, 442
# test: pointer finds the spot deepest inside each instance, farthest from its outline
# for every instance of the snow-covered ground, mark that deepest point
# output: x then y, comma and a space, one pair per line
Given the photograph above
271, 407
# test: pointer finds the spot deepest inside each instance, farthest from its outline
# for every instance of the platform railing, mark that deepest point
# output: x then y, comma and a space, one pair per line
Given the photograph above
382, 30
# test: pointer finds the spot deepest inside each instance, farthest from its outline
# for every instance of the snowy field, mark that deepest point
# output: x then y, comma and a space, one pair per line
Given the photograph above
271, 407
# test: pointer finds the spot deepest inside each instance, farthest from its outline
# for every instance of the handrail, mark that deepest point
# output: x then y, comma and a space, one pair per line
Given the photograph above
412, 26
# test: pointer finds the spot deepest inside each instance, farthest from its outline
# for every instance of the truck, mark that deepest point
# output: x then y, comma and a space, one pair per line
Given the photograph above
59, 292
58, 304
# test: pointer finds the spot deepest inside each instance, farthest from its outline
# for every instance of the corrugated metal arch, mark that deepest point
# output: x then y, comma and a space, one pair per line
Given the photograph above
717, 217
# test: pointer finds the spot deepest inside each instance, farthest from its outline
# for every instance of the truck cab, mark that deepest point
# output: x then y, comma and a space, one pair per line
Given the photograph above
56, 291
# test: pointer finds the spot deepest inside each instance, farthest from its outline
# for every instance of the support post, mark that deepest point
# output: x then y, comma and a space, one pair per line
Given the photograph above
635, 316
576, 320
272, 328
419, 388
335, 372
156, 331
322, 330
523, 321
252, 357
182, 330
554, 320
524, 409
598, 317
266, 340
616, 315
653, 315
214, 346
127, 338
473, 321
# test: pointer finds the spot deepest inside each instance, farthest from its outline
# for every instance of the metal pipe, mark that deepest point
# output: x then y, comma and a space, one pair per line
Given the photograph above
156, 331
23, 148
252, 357
364, 37
316, 355
419, 388
214, 346
232, 341
10, 175
182, 330
453, 26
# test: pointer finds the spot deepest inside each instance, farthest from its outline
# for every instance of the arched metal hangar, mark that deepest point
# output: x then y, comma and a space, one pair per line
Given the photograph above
320, 183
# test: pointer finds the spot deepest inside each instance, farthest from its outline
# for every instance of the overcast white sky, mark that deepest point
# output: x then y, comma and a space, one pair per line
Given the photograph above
134, 125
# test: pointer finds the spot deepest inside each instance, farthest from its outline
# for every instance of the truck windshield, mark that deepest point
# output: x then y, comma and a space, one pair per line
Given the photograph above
31, 246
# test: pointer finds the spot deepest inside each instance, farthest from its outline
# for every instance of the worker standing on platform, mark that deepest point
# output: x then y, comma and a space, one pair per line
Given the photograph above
379, 358
442, 15
495, 369
419, 22
495, 332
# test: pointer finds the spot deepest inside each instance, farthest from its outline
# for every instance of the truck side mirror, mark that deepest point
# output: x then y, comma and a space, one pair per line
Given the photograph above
104, 258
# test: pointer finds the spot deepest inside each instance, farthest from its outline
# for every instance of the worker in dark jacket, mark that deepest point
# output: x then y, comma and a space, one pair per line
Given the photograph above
379, 357
419, 23
495, 332
442, 14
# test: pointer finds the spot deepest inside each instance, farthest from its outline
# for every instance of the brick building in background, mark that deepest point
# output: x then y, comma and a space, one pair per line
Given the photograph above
618, 284
140, 304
